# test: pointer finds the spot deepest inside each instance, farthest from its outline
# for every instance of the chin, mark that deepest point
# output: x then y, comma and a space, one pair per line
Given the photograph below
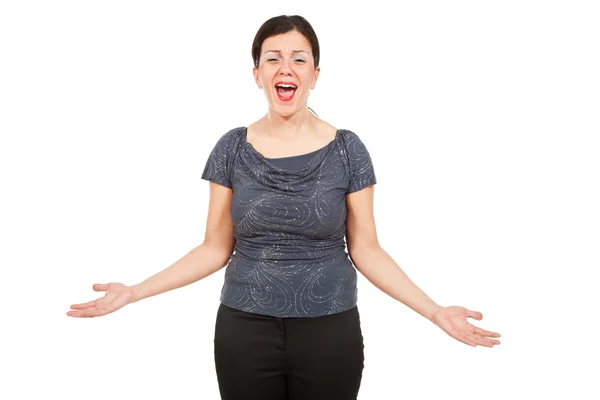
285, 110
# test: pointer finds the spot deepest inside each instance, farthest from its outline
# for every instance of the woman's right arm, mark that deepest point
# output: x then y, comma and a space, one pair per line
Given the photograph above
200, 262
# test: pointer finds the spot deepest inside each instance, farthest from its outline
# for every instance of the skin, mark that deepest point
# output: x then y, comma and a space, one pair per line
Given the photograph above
289, 128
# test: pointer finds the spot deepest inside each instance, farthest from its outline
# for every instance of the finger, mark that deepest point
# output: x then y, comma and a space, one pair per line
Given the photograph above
99, 287
91, 311
87, 313
81, 310
102, 310
462, 338
84, 305
474, 314
94, 303
488, 340
466, 340
483, 332
481, 341
491, 342
76, 313
475, 333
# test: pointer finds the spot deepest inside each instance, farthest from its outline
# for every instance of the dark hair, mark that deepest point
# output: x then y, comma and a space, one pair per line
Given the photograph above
284, 24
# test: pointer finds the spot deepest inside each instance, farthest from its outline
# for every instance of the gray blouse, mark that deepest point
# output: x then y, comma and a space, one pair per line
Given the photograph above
289, 218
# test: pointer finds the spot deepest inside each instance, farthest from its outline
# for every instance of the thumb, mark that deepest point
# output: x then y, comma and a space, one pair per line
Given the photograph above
474, 314
100, 287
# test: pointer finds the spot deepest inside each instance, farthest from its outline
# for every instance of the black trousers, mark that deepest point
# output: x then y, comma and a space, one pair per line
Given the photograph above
269, 358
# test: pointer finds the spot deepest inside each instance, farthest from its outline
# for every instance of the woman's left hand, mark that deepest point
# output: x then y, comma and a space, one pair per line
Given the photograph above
453, 321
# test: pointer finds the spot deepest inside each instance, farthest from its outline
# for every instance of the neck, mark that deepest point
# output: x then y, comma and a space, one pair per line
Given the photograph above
289, 127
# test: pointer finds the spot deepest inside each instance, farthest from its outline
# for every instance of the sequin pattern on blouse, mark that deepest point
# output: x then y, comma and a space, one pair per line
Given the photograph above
290, 256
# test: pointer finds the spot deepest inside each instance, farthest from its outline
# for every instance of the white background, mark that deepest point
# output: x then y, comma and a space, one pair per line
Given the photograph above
482, 120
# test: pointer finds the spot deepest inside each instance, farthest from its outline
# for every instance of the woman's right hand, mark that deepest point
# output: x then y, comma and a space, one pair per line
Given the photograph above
117, 296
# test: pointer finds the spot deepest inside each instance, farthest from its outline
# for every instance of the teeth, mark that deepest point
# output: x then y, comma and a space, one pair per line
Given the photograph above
287, 86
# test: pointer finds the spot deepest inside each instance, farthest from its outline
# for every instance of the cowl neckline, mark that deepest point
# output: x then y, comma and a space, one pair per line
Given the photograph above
275, 175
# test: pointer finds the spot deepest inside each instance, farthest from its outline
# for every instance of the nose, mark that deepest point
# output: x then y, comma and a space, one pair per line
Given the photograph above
285, 67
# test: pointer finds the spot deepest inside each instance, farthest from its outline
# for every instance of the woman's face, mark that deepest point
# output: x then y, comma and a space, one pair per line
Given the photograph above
286, 72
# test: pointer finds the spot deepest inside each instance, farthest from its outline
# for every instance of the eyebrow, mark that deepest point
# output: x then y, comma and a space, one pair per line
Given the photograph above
295, 51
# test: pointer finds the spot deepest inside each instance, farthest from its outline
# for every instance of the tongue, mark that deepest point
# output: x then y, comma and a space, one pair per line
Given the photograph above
285, 92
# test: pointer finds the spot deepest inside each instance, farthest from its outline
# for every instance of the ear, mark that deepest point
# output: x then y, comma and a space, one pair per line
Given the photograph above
314, 82
256, 79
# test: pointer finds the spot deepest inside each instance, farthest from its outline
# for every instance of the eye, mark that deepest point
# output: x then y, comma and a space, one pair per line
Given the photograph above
300, 60
271, 59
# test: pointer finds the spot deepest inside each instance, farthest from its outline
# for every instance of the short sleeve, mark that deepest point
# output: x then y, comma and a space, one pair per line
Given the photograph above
361, 170
217, 168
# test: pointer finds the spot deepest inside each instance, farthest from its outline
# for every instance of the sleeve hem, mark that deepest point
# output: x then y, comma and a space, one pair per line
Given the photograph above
361, 186
219, 182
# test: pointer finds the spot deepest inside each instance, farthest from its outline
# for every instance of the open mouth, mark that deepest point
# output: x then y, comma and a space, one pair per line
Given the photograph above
285, 91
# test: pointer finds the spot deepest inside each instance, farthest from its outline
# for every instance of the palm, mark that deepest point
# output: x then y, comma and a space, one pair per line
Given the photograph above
453, 321
117, 296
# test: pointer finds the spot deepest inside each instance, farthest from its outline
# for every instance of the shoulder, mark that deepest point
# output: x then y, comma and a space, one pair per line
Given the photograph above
229, 140
352, 141
232, 134
218, 167
361, 168
348, 134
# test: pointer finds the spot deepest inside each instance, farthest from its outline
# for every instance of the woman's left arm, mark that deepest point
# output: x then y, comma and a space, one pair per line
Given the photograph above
372, 261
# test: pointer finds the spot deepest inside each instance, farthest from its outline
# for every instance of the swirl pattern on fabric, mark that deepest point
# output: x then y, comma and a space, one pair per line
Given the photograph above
289, 218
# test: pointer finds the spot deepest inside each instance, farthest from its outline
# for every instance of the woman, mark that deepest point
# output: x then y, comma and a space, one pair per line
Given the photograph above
288, 193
